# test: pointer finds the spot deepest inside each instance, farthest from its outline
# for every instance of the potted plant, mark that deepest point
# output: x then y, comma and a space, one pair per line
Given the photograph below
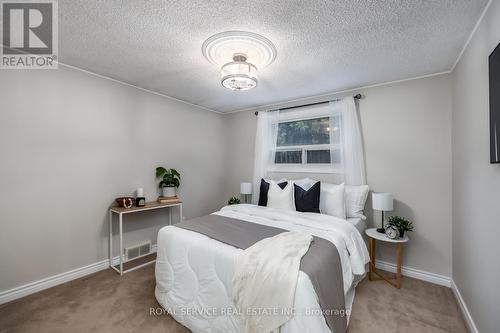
401, 224
170, 180
233, 201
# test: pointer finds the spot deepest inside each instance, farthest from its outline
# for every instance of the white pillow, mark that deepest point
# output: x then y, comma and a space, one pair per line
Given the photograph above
305, 183
331, 200
280, 198
355, 199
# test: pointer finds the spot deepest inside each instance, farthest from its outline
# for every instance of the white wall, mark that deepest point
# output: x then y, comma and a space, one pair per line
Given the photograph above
70, 142
476, 182
407, 134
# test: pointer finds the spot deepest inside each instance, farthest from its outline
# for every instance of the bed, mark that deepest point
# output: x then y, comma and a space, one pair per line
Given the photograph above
194, 272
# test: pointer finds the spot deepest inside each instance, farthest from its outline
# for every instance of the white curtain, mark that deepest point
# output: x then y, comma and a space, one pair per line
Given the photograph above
265, 148
352, 167
352, 151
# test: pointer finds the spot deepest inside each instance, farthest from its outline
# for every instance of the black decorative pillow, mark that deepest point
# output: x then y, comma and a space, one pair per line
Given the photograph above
264, 188
307, 201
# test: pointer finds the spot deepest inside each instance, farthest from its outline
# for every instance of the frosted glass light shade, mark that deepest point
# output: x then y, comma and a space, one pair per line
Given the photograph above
239, 75
245, 188
383, 201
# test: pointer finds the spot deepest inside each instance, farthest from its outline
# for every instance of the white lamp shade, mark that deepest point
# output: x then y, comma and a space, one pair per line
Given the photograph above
383, 201
246, 188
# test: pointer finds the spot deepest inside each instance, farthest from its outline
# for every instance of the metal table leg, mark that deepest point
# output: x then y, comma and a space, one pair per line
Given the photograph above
110, 238
121, 243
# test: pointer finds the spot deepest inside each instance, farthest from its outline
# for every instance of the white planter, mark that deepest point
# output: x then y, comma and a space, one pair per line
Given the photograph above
168, 191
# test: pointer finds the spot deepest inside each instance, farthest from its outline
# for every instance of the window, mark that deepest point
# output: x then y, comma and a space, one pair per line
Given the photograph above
322, 138
307, 140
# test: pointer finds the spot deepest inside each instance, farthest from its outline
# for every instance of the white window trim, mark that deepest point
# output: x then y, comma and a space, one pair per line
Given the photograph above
298, 115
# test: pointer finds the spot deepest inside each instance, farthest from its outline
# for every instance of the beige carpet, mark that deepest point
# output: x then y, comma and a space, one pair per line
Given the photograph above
106, 302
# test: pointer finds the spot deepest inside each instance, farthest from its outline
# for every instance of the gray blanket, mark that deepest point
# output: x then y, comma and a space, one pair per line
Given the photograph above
321, 263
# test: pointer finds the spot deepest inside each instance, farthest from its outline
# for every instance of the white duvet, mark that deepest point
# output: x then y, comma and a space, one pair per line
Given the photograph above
194, 272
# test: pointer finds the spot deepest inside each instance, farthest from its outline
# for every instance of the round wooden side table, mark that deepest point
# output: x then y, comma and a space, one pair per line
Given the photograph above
374, 236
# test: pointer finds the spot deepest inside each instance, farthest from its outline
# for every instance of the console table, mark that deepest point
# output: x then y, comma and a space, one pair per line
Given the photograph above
145, 259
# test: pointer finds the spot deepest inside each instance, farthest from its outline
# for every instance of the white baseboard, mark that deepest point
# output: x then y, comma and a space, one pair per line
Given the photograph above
436, 279
465, 311
52, 281
415, 273
31, 288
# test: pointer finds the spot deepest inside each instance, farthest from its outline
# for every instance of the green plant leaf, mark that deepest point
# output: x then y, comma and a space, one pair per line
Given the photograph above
160, 171
175, 173
176, 182
233, 201
400, 223
170, 177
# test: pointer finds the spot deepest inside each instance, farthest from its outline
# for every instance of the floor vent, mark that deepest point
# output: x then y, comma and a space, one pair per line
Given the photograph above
137, 250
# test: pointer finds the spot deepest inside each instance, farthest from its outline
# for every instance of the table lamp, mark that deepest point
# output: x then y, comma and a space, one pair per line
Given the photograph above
383, 202
246, 189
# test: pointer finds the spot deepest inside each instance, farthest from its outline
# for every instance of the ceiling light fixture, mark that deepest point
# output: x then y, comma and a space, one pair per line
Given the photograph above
239, 54
239, 74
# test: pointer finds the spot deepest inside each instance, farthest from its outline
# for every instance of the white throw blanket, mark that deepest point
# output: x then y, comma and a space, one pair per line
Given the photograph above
265, 279
349, 242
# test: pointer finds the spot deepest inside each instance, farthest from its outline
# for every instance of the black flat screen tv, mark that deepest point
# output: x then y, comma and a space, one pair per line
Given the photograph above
495, 105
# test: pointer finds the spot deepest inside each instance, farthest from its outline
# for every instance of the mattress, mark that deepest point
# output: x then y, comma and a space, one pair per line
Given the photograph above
358, 223
194, 275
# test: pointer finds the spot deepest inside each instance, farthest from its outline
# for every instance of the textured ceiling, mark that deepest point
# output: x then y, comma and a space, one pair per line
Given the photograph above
323, 46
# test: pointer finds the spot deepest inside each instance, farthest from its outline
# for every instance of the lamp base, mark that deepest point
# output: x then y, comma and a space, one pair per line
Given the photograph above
246, 198
382, 230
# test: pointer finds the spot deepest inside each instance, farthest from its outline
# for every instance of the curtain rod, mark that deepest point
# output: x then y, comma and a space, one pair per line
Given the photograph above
357, 96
